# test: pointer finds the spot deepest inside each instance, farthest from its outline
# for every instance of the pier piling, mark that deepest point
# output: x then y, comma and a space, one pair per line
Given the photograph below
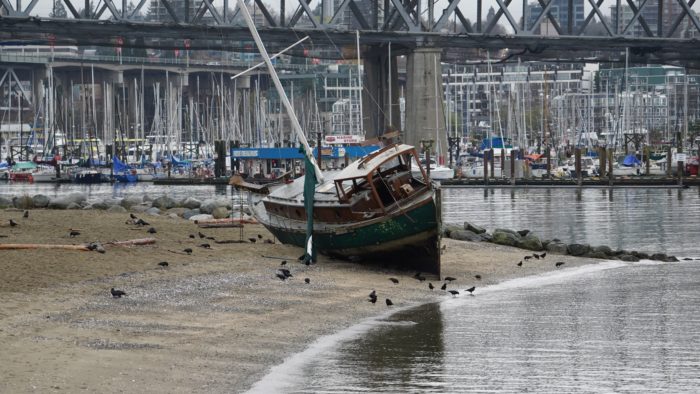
579, 177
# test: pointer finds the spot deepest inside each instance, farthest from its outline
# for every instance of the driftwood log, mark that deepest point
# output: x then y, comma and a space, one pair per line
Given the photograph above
131, 242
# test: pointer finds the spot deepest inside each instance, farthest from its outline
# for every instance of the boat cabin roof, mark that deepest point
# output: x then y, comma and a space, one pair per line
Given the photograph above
363, 167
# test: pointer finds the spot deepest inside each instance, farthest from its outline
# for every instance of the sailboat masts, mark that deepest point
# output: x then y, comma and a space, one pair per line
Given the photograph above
278, 85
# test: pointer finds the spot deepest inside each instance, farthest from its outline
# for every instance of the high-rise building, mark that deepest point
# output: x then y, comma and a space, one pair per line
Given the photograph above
560, 11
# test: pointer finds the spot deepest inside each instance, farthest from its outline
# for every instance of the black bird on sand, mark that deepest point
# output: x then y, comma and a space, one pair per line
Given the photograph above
192, 236
520, 264
26, 214
543, 255
259, 236
152, 230
252, 240
444, 286
131, 215
211, 238
205, 246
527, 257
478, 277
373, 294
284, 262
396, 281
73, 233
417, 275
142, 222
453, 292
421, 278
559, 264
307, 280
450, 278
201, 235
12, 223
535, 255
430, 286
285, 272
372, 299
163, 264
388, 302
471, 290
188, 250
302, 257
281, 276
117, 293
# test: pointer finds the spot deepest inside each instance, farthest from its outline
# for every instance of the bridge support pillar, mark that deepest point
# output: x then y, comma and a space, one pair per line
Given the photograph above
380, 98
424, 104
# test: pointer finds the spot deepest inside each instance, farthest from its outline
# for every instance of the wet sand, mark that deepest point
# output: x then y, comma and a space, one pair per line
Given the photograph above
212, 321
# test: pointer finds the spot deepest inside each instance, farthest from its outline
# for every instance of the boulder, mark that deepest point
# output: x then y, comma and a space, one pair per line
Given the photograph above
41, 201
164, 203
173, 215
190, 203
466, 235
220, 213
578, 249
659, 256
77, 197
530, 242
74, 205
207, 206
474, 228
523, 233
557, 247
190, 212
141, 208
201, 217
505, 237
642, 255
128, 202
603, 249
153, 211
671, 259
596, 254
116, 209
176, 211
487, 237
5, 202
101, 205
447, 230
628, 257
23, 202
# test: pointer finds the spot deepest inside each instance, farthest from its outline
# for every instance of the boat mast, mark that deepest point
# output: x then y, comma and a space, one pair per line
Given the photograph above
278, 85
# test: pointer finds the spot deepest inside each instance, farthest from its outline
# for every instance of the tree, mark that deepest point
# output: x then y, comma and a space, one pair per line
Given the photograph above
59, 11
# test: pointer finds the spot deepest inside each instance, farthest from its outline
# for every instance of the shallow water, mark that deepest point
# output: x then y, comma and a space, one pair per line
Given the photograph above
615, 327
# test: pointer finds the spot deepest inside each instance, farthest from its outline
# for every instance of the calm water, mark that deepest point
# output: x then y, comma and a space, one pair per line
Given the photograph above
612, 327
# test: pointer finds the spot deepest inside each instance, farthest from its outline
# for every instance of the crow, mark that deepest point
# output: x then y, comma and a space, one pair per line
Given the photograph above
188, 250
527, 257
252, 240
12, 223
453, 292
478, 277
142, 222
307, 280
285, 272
205, 246
559, 264
163, 264
471, 290
536, 256
259, 236
117, 293
373, 299
520, 264
543, 255
450, 279
373, 294
302, 257
421, 278
131, 215
26, 214
396, 281
444, 286
201, 235
74, 233
192, 236
152, 230
388, 302
281, 276
284, 262
430, 286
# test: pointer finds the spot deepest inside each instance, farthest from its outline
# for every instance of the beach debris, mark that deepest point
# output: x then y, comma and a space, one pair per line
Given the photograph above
388, 302
558, 264
453, 292
26, 214
117, 293
471, 290
394, 280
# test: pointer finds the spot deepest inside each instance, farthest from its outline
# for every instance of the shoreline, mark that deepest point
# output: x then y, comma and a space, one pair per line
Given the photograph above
215, 321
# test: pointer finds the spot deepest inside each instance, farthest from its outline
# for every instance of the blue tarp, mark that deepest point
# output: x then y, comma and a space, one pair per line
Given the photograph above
184, 163
496, 142
118, 166
293, 153
631, 160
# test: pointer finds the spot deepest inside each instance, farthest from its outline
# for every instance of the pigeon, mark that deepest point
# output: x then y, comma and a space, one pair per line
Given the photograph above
307, 280
163, 264
471, 290
117, 293
201, 235
430, 286
444, 286
152, 230
450, 279
284, 262
396, 281
453, 292
388, 302
478, 277
26, 214
252, 240
559, 264
74, 233
520, 264
12, 223
131, 215
188, 250
205, 246
192, 236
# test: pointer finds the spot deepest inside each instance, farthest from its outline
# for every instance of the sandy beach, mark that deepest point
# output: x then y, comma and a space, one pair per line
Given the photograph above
212, 321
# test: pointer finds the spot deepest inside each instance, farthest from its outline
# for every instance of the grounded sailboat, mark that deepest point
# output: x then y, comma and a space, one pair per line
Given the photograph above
372, 209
